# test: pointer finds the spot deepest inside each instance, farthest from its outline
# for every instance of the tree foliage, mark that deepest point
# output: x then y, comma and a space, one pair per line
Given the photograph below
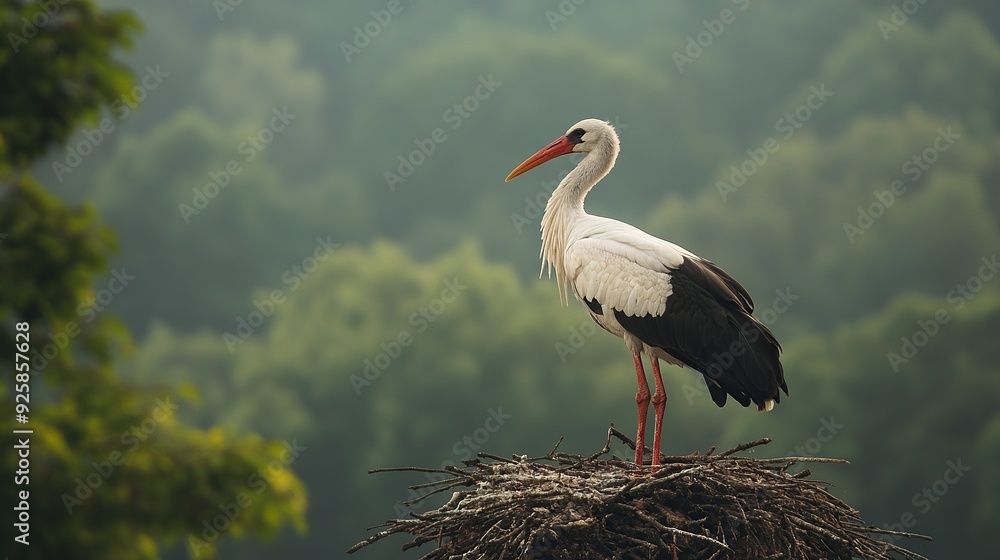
113, 472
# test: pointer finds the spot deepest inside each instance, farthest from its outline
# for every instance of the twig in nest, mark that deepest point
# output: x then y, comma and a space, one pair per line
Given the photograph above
696, 507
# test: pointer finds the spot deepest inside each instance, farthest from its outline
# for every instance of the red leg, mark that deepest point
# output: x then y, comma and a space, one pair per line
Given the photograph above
659, 404
642, 400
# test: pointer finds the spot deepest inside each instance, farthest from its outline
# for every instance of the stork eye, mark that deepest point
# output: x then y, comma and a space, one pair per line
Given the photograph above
576, 135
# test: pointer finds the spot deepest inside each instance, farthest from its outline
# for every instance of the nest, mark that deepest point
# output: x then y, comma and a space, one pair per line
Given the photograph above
695, 507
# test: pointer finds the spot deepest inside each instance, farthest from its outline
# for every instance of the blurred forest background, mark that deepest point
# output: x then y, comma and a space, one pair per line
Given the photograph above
318, 260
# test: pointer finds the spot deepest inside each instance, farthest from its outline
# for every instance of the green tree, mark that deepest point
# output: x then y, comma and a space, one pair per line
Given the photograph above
825, 216
113, 473
951, 70
231, 237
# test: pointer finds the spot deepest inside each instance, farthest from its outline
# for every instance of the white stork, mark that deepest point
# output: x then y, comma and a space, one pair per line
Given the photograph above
660, 298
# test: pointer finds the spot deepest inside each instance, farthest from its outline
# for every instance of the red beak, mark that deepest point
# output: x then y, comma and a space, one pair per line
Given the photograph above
559, 147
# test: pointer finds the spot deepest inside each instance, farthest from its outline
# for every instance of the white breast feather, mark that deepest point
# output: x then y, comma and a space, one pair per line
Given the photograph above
622, 267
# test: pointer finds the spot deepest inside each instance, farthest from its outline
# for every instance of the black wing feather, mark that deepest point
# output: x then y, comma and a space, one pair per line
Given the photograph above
594, 305
707, 325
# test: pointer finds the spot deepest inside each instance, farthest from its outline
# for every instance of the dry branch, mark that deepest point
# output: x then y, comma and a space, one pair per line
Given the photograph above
696, 507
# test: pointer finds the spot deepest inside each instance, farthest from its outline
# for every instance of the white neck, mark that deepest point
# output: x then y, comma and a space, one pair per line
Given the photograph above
565, 208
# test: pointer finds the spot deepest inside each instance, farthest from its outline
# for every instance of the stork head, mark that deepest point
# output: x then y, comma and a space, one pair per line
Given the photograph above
588, 135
